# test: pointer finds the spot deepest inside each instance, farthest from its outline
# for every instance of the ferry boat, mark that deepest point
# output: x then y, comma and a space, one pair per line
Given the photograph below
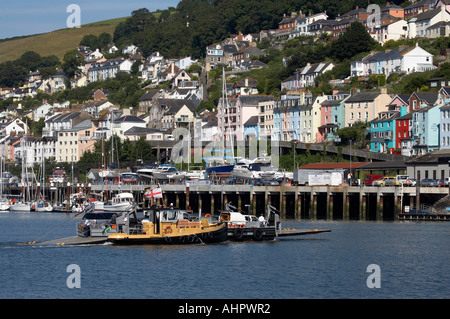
242, 227
98, 224
168, 226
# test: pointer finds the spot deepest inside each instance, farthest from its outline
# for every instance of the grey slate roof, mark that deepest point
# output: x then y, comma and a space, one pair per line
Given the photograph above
252, 100
252, 121
129, 118
363, 97
136, 130
64, 117
174, 105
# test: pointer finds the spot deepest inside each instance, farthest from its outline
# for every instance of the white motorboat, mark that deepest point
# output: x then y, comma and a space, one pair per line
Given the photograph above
194, 175
163, 171
242, 170
146, 172
120, 203
250, 169
20, 207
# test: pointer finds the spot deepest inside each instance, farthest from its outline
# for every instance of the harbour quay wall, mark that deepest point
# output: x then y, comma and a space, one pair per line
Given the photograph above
294, 202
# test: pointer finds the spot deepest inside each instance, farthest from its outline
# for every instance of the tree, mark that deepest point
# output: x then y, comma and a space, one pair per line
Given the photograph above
104, 39
72, 62
356, 133
30, 60
11, 74
352, 42
91, 41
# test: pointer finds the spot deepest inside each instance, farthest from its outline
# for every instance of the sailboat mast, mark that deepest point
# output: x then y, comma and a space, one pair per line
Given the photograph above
225, 101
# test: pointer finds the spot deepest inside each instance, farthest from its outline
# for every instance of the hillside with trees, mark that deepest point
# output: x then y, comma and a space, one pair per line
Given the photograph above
194, 24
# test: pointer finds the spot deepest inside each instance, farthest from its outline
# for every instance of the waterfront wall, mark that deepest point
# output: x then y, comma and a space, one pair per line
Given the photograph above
293, 202
296, 202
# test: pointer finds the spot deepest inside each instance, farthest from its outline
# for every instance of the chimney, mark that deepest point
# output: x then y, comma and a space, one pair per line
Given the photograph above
383, 90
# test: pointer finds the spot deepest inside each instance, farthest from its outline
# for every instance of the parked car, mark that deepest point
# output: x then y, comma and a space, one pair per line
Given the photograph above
428, 182
266, 182
385, 181
403, 180
370, 178
446, 182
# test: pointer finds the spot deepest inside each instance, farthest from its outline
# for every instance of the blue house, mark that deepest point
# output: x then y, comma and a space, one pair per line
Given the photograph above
251, 128
383, 131
277, 121
425, 129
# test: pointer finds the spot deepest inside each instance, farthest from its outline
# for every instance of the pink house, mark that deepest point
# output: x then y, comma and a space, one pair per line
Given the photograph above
85, 133
326, 123
239, 110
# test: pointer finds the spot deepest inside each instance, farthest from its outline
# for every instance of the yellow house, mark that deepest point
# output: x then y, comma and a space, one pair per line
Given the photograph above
178, 113
365, 106
74, 142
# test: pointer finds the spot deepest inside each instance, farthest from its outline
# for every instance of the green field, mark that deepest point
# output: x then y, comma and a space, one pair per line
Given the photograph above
56, 42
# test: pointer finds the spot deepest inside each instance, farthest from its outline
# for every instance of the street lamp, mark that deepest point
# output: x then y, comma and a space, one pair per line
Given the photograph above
295, 151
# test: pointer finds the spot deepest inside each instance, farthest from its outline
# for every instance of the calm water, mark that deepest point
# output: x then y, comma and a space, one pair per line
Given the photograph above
413, 260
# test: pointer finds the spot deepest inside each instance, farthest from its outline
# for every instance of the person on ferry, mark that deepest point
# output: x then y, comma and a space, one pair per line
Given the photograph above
261, 220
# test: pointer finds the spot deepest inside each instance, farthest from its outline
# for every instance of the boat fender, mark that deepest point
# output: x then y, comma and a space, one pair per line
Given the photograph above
191, 239
168, 239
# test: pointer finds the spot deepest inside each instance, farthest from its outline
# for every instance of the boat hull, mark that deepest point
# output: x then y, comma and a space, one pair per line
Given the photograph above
215, 236
20, 208
121, 207
220, 171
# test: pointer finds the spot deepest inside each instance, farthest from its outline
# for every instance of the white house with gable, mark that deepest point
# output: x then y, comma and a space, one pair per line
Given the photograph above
405, 60
419, 25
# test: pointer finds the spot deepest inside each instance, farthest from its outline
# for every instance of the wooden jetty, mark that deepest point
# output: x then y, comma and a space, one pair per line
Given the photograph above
298, 232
